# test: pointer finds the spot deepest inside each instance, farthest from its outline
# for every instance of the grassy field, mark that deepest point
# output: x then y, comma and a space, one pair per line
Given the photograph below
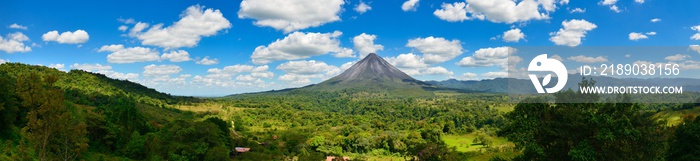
465, 143
675, 117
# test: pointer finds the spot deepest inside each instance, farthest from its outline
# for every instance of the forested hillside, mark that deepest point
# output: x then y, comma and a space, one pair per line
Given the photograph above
52, 115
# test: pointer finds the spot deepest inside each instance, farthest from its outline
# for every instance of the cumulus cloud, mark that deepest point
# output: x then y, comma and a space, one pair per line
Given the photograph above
57, 66
654, 20
677, 57
414, 65
75, 37
208, 61
611, 4
3, 61
106, 70
695, 48
225, 77
123, 28
498, 11
697, 35
362, 7
364, 44
195, 22
17, 26
121, 55
486, 57
456, 12
301, 72
410, 5
347, 65
14, 42
291, 15
634, 36
468, 76
408, 60
572, 32
639, 1
156, 70
492, 75
436, 49
299, 45
587, 59
513, 35
176, 56
577, 10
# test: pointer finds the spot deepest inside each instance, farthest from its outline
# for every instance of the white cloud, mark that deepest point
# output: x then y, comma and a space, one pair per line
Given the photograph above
364, 44
697, 35
122, 76
572, 32
436, 49
513, 35
409, 60
122, 55
557, 57
291, 15
207, 61
611, 4
17, 26
410, 5
362, 7
224, 77
652, 33
176, 56
14, 42
468, 76
586, 59
695, 48
655, 20
123, 28
308, 67
438, 70
639, 1
677, 57
577, 10
498, 11
159, 70
3, 61
299, 45
104, 69
452, 12
628, 55
414, 65
634, 36
347, 65
301, 72
126, 21
492, 75
75, 37
57, 66
486, 57
90, 67
615, 9
195, 23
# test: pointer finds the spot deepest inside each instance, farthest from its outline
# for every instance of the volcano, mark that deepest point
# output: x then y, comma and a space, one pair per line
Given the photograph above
373, 74
373, 68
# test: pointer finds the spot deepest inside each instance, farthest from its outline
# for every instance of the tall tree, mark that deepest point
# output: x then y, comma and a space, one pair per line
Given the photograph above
51, 129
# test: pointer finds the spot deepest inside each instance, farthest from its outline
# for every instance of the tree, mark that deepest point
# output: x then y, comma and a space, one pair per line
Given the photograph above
584, 131
686, 142
51, 129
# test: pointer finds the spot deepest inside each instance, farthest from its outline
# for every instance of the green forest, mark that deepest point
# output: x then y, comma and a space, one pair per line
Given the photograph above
47, 114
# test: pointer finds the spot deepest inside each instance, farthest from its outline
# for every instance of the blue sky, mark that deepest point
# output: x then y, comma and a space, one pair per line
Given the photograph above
258, 45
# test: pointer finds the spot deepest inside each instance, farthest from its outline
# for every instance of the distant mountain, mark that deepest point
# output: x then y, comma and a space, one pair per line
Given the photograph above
512, 85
